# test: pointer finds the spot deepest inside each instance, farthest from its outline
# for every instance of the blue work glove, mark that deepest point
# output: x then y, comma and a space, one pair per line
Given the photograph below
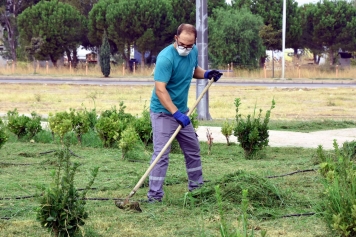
212, 74
181, 118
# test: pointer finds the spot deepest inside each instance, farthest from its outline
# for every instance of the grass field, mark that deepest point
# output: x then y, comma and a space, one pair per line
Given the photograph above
291, 103
23, 169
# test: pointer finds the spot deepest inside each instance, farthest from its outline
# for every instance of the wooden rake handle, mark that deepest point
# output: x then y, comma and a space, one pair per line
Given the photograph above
140, 182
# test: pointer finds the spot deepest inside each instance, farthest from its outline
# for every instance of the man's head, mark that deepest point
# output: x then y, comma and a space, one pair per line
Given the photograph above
185, 39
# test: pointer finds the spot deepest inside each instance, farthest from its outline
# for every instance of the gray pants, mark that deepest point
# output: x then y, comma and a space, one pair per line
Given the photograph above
163, 126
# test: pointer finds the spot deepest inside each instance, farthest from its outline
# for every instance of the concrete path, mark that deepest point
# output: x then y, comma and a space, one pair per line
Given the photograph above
290, 139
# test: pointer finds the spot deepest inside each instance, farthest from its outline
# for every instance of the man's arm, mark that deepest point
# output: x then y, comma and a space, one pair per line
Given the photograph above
164, 97
199, 73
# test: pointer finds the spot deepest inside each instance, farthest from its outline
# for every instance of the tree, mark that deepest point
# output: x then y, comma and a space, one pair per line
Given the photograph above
145, 43
97, 24
128, 20
184, 11
105, 56
271, 13
334, 26
33, 49
214, 4
306, 39
9, 11
233, 37
84, 7
150, 25
58, 24
271, 39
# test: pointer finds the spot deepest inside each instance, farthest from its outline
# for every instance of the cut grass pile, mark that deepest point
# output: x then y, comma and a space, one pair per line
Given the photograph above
262, 193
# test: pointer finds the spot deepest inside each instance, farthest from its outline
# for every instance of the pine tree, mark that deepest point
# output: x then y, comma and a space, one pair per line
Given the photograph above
105, 56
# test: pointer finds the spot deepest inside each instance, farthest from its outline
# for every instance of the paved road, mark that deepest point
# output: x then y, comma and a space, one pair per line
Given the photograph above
296, 83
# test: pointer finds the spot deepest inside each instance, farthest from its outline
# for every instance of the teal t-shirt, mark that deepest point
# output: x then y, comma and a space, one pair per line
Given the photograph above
177, 72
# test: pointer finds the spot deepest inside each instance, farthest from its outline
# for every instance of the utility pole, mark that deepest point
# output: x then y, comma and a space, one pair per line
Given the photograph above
283, 37
202, 44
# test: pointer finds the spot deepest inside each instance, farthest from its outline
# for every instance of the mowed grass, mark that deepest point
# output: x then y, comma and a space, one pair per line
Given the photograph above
23, 169
292, 104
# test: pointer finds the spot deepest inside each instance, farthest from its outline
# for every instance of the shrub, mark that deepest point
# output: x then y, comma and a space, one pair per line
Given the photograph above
252, 133
92, 118
338, 204
62, 208
143, 126
227, 130
109, 129
23, 125
60, 124
17, 123
33, 126
80, 123
3, 135
112, 123
128, 140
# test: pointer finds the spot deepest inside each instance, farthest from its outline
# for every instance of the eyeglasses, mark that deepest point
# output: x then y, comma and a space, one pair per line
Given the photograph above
182, 46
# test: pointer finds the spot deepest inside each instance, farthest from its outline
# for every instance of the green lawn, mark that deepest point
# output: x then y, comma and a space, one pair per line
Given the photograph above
23, 169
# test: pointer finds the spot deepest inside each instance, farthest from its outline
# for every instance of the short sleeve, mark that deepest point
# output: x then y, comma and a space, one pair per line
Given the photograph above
163, 69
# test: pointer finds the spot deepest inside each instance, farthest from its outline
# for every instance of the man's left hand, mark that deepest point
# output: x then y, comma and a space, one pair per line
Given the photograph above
209, 74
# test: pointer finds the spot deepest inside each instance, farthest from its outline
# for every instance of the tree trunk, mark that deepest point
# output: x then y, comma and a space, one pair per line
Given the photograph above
75, 58
11, 37
142, 61
331, 57
262, 61
69, 57
54, 61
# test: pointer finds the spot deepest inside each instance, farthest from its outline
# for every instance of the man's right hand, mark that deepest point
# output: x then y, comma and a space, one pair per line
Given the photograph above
181, 118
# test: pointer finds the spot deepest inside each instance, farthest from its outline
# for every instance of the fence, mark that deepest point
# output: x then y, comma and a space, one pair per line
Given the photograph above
119, 70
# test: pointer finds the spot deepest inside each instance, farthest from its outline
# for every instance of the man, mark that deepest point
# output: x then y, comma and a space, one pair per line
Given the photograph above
176, 65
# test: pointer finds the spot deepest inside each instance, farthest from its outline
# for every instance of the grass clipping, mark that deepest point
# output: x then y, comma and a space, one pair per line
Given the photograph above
261, 193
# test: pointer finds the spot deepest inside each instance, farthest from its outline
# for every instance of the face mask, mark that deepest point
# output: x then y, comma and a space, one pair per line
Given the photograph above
182, 51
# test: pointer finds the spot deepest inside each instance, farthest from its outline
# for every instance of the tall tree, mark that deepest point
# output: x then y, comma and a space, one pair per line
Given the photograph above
97, 23
9, 10
144, 44
123, 28
105, 56
128, 20
306, 40
334, 26
215, 4
84, 7
59, 26
271, 13
234, 37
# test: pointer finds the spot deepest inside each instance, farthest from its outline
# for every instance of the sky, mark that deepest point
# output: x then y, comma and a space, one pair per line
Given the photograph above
300, 2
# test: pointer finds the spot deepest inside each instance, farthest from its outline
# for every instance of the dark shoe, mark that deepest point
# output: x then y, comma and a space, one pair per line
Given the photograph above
152, 200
